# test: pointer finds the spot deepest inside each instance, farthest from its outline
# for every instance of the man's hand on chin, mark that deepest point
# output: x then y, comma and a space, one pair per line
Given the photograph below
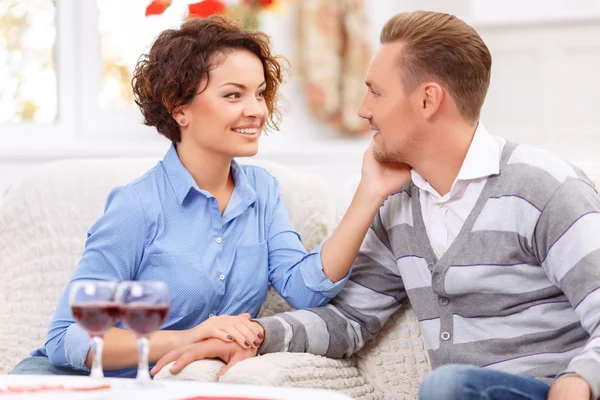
571, 387
230, 352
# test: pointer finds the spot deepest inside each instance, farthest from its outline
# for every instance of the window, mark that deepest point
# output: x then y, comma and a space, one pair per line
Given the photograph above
28, 90
125, 33
114, 33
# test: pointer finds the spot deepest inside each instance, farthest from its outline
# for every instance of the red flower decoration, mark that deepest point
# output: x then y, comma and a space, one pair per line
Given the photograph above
262, 3
205, 9
157, 7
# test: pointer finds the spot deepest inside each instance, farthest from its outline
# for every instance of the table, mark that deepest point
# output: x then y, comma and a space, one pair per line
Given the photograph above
122, 388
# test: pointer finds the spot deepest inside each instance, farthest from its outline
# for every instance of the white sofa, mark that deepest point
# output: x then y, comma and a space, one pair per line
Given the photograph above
43, 226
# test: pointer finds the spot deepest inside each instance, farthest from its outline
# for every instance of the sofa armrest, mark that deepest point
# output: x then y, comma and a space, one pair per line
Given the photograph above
304, 371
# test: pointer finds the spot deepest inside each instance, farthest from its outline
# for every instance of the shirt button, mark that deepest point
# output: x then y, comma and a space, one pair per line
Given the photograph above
211, 315
439, 204
430, 266
219, 240
445, 336
444, 301
222, 277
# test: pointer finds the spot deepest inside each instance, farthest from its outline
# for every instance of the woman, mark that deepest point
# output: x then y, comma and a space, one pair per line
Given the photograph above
215, 231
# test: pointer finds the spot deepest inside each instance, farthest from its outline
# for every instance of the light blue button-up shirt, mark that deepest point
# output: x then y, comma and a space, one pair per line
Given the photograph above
164, 227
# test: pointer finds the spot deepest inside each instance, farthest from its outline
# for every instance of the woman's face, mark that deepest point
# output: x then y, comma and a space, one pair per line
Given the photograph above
229, 113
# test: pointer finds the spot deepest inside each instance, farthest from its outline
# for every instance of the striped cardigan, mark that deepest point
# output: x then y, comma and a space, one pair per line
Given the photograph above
517, 291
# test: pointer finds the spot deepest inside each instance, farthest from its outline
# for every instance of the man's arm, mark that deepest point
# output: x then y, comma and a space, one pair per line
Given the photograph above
567, 241
371, 295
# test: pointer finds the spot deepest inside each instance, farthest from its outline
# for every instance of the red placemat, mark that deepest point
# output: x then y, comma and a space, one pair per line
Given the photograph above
12, 389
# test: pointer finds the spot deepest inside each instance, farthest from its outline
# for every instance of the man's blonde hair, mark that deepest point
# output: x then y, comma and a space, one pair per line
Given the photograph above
441, 46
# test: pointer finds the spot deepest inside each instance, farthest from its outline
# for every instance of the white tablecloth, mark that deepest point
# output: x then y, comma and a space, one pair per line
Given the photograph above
163, 390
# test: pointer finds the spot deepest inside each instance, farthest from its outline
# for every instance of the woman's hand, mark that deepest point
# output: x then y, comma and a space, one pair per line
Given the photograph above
379, 180
383, 178
228, 328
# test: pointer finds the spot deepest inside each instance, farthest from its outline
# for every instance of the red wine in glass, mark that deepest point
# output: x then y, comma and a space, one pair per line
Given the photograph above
95, 309
96, 318
144, 308
144, 319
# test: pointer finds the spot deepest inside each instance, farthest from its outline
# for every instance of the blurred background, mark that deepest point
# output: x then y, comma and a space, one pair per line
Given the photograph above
65, 70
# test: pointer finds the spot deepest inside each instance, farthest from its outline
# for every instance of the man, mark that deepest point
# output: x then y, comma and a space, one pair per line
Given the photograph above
497, 245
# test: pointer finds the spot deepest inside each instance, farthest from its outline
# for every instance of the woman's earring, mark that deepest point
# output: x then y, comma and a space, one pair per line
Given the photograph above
182, 121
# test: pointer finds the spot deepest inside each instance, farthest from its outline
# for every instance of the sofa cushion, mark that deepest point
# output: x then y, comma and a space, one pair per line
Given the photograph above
596, 179
283, 369
200, 371
396, 359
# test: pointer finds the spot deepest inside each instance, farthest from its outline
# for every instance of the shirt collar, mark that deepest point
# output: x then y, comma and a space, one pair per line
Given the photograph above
243, 188
182, 181
482, 160
483, 157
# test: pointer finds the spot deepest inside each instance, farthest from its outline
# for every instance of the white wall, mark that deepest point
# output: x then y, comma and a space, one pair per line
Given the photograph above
544, 91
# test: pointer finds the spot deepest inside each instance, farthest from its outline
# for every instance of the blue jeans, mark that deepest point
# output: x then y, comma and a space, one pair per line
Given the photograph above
40, 365
465, 382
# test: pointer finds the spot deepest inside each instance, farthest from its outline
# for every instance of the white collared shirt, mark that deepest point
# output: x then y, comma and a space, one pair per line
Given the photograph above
445, 215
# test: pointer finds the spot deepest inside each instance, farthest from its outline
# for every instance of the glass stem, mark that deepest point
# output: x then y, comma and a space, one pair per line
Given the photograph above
97, 347
143, 373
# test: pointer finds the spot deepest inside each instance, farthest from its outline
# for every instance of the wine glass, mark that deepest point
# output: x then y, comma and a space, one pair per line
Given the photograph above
144, 308
94, 308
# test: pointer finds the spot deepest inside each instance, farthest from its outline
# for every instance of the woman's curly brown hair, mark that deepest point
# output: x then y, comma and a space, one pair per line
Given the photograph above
180, 59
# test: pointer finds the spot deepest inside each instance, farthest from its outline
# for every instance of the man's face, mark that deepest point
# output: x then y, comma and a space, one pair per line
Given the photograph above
391, 111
